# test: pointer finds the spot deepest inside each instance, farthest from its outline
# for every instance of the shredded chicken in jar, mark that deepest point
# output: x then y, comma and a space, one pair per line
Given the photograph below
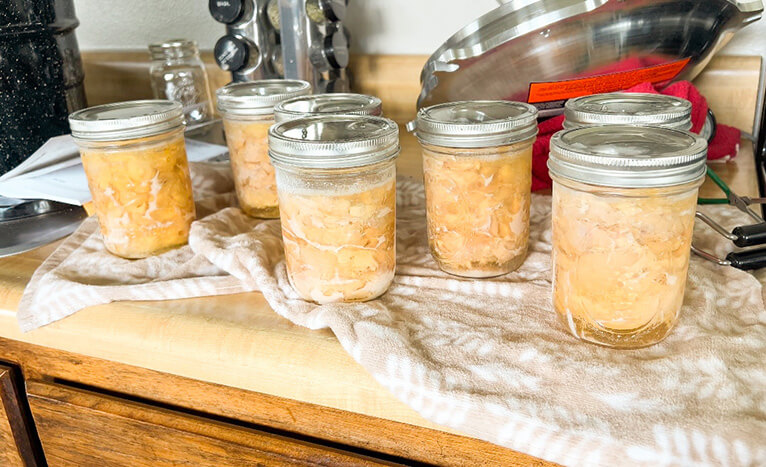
142, 194
340, 247
254, 181
620, 258
477, 203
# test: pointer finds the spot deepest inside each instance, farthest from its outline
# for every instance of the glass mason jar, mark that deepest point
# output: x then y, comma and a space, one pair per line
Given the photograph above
336, 177
628, 108
178, 74
477, 164
248, 113
624, 202
323, 104
135, 161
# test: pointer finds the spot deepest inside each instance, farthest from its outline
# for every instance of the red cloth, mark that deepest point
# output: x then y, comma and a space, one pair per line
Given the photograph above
725, 144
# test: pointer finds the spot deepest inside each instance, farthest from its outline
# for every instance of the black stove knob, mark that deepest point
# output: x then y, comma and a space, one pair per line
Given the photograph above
231, 53
227, 11
336, 49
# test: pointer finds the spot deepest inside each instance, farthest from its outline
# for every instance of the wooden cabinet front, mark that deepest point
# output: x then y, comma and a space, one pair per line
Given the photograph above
9, 453
79, 427
17, 445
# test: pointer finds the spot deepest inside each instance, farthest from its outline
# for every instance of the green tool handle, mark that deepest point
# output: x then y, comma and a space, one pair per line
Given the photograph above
712, 201
723, 186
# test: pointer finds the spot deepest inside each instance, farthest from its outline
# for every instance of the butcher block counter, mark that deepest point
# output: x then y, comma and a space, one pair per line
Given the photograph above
225, 380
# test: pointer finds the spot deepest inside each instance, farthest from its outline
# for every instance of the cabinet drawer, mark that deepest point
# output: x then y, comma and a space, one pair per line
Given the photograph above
17, 445
79, 427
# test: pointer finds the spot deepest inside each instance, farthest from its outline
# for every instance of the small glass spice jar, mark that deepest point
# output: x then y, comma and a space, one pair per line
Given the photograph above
477, 163
336, 177
135, 161
624, 201
628, 108
323, 104
248, 113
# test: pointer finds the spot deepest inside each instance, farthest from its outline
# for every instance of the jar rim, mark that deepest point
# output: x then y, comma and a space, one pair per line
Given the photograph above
126, 120
258, 97
628, 108
629, 191
475, 124
333, 141
173, 49
322, 104
628, 156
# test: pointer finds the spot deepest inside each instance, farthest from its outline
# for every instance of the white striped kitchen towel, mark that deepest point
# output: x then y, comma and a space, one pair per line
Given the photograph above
485, 357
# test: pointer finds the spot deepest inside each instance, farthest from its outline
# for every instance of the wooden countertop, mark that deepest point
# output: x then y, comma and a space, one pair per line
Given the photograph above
237, 340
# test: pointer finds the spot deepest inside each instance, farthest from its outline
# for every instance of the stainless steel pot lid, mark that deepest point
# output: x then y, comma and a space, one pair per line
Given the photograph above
258, 97
628, 156
475, 124
126, 120
628, 108
336, 103
547, 51
333, 141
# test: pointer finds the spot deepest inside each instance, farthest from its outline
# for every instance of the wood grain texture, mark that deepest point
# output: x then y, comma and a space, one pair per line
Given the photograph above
730, 86
729, 82
232, 355
739, 174
393, 78
310, 420
9, 452
18, 442
83, 428
194, 339
112, 76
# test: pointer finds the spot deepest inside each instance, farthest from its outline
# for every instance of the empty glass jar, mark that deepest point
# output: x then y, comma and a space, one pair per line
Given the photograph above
323, 104
178, 74
477, 163
624, 202
135, 161
336, 177
248, 113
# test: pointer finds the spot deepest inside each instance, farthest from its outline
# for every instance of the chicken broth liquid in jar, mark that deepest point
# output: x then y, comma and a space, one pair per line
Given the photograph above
624, 202
248, 113
134, 157
477, 164
336, 178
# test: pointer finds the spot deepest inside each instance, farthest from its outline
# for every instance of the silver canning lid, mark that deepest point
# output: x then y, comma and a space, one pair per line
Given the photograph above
333, 141
338, 103
126, 120
258, 97
628, 156
628, 108
475, 124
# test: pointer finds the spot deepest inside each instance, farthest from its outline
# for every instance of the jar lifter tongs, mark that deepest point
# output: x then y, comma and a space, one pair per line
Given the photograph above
742, 236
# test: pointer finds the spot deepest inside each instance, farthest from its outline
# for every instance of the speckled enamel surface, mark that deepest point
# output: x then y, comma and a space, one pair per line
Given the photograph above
40, 75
